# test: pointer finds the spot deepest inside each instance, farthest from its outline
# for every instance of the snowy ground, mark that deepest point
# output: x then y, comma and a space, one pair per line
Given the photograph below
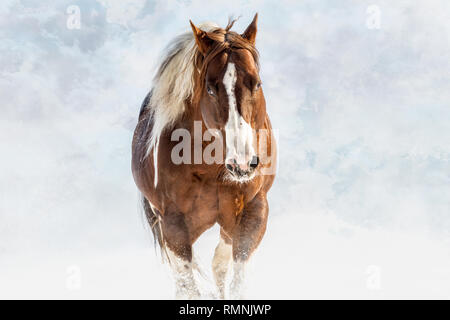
301, 258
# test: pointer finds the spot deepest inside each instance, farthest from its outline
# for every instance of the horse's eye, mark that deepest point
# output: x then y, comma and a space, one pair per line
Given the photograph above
258, 86
210, 91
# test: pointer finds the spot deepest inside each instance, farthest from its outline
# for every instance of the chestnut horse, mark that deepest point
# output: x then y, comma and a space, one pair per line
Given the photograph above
207, 88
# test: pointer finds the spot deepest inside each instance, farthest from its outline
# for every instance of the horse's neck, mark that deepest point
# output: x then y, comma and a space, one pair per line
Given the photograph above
188, 119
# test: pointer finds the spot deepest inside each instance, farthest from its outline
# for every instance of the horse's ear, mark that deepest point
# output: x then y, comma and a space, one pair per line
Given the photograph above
204, 42
250, 33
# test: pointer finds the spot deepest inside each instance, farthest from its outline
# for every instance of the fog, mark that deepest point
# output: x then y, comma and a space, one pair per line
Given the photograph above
358, 94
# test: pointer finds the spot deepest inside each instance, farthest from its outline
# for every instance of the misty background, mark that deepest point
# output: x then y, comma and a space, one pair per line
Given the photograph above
358, 91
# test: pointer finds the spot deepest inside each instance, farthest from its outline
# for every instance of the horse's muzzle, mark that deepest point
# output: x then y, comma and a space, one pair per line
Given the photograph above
244, 170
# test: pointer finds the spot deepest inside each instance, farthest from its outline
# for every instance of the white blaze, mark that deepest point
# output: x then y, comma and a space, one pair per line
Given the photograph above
239, 134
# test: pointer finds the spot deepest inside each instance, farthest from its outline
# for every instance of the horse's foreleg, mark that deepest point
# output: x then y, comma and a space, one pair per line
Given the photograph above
179, 252
221, 262
247, 235
186, 287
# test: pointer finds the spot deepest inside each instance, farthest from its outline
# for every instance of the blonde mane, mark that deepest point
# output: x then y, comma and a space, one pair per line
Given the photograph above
173, 83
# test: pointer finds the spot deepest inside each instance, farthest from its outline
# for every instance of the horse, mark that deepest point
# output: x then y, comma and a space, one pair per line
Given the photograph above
207, 86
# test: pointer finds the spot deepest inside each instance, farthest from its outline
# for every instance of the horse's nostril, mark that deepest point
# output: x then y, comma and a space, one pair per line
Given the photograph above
254, 163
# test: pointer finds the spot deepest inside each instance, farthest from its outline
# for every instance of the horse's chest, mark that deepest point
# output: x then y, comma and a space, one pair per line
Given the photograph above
196, 194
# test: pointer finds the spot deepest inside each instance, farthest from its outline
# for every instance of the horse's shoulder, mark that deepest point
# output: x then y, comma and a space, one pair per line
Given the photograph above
145, 103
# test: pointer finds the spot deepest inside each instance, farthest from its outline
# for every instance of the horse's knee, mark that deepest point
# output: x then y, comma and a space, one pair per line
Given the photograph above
250, 229
176, 235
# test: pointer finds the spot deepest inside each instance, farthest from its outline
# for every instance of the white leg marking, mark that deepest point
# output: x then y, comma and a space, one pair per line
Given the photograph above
239, 134
220, 265
237, 284
186, 287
